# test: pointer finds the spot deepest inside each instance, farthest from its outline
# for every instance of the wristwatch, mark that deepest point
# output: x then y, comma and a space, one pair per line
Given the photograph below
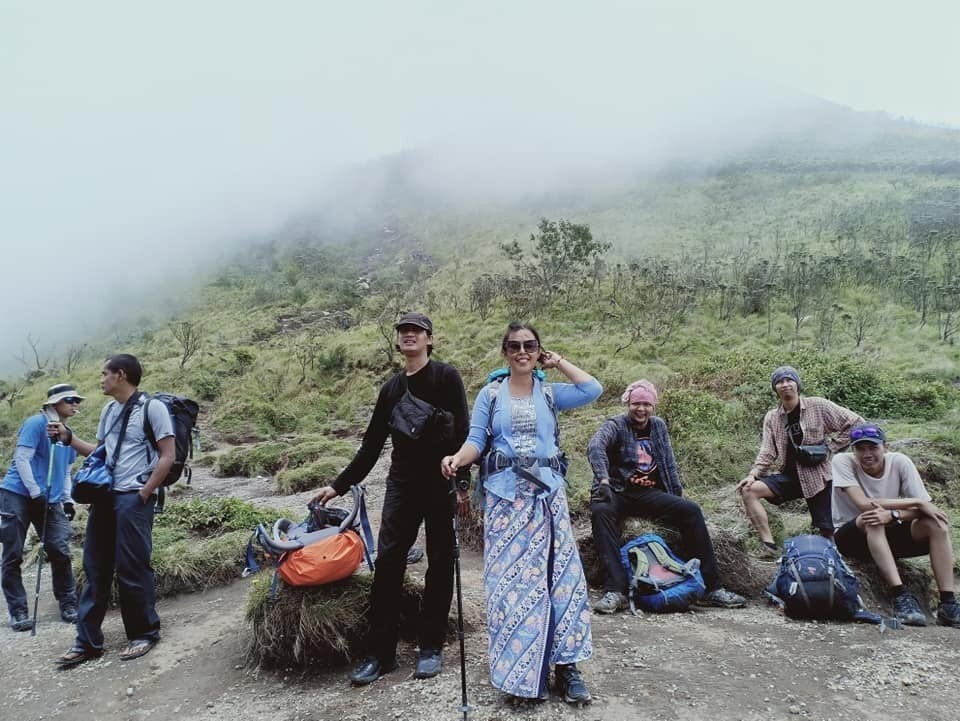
895, 515
463, 484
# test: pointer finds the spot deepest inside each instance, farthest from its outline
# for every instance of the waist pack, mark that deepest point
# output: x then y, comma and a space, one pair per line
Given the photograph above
659, 581
93, 482
812, 455
326, 547
813, 582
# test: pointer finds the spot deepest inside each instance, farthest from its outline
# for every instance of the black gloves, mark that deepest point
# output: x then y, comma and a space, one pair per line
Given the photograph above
68, 510
37, 504
601, 493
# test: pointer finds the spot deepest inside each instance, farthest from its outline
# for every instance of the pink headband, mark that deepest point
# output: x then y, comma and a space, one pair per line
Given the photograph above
641, 391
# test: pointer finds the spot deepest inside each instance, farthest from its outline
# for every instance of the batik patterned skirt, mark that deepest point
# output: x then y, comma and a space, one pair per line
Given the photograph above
538, 611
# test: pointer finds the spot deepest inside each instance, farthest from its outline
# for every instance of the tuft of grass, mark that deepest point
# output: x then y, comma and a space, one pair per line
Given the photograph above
320, 626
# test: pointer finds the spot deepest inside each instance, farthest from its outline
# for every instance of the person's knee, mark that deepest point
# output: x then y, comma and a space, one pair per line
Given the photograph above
601, 511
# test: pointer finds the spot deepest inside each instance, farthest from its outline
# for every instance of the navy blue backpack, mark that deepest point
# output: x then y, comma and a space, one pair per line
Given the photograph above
814, 582
659, 580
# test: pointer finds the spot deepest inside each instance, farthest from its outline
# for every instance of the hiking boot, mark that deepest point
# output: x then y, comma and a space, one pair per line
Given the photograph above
68, 612
20, 621
429, 663
611, 602
949, 614
768, 554
570, 683
907, 610
369, 670
722, 598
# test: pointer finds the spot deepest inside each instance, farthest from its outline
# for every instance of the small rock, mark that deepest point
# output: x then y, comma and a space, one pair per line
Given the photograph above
794, 709
129, 690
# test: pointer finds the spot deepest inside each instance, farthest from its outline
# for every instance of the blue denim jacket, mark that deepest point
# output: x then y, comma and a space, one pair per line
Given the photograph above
613, 453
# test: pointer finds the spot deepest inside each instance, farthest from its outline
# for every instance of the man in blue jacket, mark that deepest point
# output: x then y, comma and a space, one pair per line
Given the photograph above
635, 474
36, 490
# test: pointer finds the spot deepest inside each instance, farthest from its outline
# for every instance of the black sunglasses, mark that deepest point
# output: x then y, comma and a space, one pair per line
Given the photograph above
72, 400
515, 346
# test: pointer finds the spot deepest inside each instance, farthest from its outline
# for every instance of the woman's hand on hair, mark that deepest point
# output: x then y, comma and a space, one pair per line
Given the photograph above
549, 359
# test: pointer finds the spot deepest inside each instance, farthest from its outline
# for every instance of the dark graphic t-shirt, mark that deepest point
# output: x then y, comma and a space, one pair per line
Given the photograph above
646, 475
796, 433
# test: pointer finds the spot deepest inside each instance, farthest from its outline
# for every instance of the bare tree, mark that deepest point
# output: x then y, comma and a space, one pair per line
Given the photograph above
74, 354
190, 337
37, 364
10, 393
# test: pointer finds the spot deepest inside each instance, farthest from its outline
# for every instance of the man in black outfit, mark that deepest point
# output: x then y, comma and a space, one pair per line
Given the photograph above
416, 492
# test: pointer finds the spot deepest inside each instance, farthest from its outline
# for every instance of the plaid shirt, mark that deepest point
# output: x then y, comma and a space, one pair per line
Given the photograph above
818, 419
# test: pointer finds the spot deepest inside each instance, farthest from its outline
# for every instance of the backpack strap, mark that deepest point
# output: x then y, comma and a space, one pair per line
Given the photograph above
366, 531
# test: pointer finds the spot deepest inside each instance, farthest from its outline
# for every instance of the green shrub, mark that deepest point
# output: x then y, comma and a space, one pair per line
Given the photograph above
311, 475
210, 516
207, 387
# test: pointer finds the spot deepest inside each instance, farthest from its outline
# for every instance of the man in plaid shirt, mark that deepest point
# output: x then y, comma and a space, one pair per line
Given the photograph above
797, 421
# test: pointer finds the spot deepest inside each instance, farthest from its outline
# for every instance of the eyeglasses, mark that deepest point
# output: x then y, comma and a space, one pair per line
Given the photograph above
514, 346
866, 432
72, 401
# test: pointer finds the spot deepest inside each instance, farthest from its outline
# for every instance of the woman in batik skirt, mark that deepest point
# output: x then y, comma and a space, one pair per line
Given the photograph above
538, 611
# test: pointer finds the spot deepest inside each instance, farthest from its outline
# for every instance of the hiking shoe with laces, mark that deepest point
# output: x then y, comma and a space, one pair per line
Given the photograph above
611, 602
907, 610
20, 621
429, 663
570, 683
949, 614
69, 613
722, 598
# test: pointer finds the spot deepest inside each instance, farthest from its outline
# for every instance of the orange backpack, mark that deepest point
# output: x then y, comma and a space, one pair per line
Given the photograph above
327, 546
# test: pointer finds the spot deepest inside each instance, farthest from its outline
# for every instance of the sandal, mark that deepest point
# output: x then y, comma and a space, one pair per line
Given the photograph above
137, 648
76, 655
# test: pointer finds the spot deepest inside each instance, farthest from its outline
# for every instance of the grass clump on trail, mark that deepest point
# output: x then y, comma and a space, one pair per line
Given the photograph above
322, 626
298, 465
199, 543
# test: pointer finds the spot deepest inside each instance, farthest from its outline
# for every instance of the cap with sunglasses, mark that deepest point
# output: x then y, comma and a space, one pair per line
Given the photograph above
62, 392
868, 432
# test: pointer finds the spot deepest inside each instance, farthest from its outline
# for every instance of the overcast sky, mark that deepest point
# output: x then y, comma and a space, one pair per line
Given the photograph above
135, 135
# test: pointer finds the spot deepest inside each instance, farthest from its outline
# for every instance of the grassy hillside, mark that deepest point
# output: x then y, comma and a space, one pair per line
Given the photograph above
839, 256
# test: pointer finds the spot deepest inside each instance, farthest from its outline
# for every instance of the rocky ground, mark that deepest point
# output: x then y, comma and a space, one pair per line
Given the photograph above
749, 664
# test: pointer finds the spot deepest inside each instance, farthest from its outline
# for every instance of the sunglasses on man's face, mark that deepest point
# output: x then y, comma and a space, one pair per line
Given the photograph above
866, 432
515, 346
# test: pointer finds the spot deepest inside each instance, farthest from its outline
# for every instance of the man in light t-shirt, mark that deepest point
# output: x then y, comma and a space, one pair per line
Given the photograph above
882, 510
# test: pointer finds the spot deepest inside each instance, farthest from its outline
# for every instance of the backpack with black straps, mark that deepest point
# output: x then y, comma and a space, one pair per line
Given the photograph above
659, 581
814, 582
183, 418
328, 545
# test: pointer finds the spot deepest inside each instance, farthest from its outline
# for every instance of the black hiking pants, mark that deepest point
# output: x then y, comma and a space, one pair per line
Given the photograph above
663, 508
406, 505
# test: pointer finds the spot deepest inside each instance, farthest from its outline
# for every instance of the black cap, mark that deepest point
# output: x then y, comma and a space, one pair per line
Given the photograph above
417, 319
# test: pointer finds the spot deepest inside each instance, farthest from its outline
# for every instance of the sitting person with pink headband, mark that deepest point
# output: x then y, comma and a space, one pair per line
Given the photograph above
635, 474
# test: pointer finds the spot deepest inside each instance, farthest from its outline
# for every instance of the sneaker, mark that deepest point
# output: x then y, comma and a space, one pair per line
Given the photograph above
722, 598
369, 670
20, 621
429, 663
570, 683
69, 613
949, 614
611, 602
907, 610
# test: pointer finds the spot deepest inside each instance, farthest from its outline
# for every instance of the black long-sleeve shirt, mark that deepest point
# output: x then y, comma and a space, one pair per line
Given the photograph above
439, 385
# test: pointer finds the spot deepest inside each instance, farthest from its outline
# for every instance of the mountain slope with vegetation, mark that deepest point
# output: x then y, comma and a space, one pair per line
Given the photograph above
836, 250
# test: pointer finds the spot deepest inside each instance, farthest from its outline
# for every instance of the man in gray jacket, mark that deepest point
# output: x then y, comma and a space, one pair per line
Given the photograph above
635, 474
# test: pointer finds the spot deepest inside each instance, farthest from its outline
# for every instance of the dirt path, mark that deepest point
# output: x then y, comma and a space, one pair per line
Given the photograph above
749, 664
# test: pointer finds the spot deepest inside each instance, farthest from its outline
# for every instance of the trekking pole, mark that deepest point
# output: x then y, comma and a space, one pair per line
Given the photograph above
43, 537
464, 708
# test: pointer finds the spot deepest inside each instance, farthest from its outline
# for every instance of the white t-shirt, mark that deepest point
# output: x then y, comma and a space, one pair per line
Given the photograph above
900, 479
